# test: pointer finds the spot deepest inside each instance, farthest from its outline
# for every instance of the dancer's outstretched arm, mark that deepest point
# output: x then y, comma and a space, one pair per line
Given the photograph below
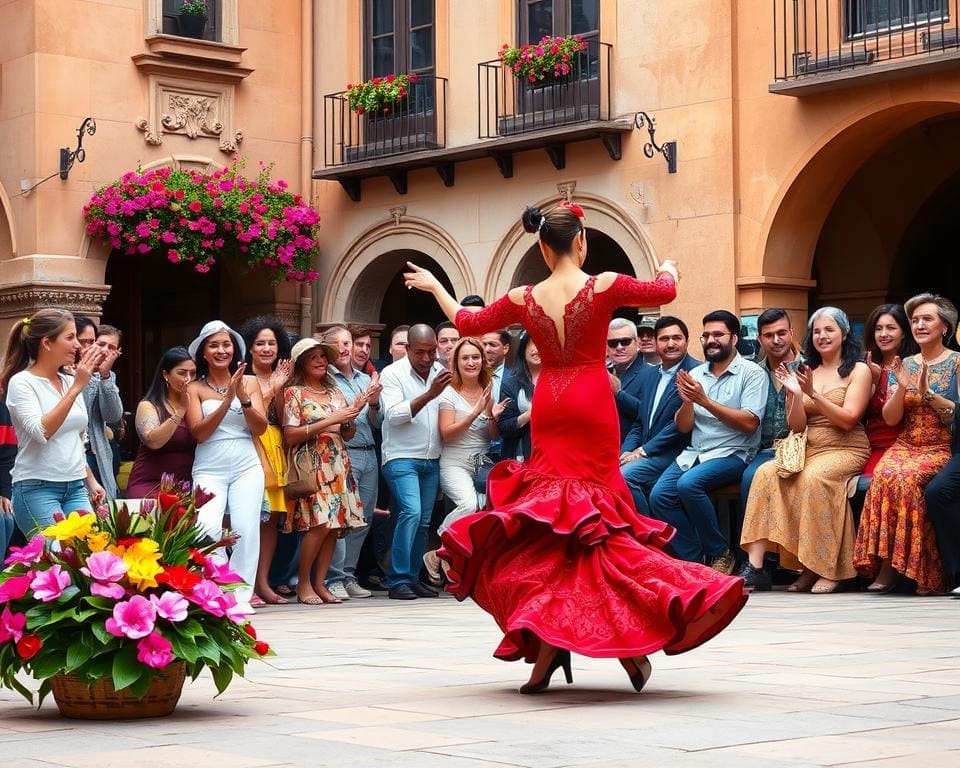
424, 280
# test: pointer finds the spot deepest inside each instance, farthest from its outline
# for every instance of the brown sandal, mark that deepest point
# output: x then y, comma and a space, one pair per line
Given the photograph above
826, 586
804, 583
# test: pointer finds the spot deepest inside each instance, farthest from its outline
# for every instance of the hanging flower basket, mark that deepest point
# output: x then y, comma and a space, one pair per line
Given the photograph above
380, 95
550, 60
197, 218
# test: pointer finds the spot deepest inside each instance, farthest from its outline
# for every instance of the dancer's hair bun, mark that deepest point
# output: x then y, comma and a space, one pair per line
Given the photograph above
532, 219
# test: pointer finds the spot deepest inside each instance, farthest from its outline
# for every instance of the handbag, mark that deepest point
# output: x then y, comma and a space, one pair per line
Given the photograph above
302, 478
482, 464
790, 453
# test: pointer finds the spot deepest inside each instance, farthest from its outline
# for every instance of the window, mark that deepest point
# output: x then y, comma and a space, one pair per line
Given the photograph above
172, 26
865, 16
558, 18
399, 37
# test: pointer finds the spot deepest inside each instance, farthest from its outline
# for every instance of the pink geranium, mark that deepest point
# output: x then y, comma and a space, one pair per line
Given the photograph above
48, 585
113, 591
208, 596
105, 567
221, 573
155, 651
171, 606
11, 625
14, 588
133, 618
27, 555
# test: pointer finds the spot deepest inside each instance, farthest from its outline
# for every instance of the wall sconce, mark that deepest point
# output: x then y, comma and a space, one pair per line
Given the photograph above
668, 149
67, 158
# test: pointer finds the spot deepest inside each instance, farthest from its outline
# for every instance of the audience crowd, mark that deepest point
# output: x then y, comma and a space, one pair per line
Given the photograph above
338, 472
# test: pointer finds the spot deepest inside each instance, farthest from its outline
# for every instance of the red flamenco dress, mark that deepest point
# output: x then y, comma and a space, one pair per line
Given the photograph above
563, 555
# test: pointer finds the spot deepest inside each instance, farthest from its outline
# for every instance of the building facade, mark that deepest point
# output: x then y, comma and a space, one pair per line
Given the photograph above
814, 140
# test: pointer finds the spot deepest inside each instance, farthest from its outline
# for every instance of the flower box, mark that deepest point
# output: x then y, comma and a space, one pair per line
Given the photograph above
381, 96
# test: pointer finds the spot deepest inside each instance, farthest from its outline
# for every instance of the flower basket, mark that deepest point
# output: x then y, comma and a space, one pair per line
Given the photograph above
380, 96
112, 610
197, 218
191, 25
101, 701
544, 62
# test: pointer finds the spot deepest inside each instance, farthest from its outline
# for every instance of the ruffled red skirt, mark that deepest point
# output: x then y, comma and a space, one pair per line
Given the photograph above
570, 562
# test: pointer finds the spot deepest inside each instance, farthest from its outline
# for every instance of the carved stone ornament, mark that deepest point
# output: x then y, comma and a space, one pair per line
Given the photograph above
566, 188
192, 110
25, 299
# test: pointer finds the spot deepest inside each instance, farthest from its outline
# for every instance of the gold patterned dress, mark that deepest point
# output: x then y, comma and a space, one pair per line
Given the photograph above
894, 522
807, 517
337, 502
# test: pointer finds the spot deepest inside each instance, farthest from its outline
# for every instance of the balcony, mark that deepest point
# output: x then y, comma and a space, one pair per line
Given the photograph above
825, 45
415, 123
510, 106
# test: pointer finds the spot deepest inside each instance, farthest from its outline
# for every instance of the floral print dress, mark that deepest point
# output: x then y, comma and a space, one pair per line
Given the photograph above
337, 502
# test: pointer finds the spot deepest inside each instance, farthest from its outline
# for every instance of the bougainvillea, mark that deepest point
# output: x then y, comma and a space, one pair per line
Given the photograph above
197, 218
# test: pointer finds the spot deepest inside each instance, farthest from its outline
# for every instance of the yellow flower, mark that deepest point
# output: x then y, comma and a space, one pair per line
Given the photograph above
142, 563
75, 526
98, 541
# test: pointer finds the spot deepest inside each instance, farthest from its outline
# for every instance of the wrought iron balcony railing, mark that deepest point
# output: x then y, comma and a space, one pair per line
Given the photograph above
820, 37
416, 122
509, 106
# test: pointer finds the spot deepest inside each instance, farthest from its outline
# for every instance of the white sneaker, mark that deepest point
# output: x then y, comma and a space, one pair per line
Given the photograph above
353, 588
338, 590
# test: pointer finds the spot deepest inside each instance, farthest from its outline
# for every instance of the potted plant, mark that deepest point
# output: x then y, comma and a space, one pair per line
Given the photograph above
192, 21
379, 95
198, 218
546, 62
112, 610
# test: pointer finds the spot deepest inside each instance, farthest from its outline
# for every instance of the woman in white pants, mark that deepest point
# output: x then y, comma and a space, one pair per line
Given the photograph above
225, 414
468, 422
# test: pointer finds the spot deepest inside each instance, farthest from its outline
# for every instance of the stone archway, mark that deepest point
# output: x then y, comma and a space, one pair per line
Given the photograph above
512, 265
359, 283
8, 236
779, 274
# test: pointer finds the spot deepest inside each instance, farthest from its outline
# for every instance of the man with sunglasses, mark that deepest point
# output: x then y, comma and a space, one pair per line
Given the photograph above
625, 364
723, 401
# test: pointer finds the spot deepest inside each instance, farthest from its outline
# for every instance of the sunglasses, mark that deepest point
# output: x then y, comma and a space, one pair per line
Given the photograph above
614, 343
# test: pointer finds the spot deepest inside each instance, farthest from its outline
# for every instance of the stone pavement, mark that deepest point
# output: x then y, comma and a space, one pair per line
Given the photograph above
797, 680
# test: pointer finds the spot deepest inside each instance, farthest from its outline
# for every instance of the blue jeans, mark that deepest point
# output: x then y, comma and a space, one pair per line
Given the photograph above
765, 455
346, 552
7, 526
641, 475
36, 501
414, 484
682, 498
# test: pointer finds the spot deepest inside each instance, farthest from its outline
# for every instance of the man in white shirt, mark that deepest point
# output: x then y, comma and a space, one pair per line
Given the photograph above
411, 455
496, 347
447, 338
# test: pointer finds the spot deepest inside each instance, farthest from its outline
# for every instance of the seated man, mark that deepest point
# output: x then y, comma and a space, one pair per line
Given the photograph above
723, 400
623, 353
654, 440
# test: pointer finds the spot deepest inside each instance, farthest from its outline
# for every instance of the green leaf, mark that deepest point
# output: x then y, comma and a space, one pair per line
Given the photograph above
99, 667
68, 594
100, 632
77, 655
140, 687
21, 689
209, 650
45, 688
46, 664
189, 628
126, 669
222, 675
185, 648
103, 603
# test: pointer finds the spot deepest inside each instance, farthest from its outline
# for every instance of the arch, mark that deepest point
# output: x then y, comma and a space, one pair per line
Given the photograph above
794, 219
601, 214
357, 285
8, 235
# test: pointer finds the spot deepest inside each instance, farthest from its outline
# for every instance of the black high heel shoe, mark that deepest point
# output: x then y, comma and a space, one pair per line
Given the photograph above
561, 660
644, 670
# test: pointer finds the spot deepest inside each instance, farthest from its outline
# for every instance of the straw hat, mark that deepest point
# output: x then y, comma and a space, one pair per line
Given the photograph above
332, 353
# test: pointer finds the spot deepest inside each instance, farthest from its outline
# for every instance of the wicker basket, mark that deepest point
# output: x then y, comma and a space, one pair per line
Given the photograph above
101, 702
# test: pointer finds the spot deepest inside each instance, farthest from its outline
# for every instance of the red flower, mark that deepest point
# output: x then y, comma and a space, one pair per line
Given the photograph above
414, 78
248, 628
129, 541
179, 194
178, 577
260, 647
195, 206
28, 645
196, 556
167, 500
390, 78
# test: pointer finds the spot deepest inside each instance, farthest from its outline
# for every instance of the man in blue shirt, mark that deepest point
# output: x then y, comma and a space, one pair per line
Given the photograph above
723, 402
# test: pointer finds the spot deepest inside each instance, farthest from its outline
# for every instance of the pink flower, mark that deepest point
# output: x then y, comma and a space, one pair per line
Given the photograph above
11, 625
104, 566
221, 574
113, 591
171, 606
48, 585
27, 555
233, 610
15, 588
155, 651
208, 597
133, 618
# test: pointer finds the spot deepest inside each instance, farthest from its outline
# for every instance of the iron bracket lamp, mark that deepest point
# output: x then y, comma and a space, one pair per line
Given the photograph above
668, 149
68, 158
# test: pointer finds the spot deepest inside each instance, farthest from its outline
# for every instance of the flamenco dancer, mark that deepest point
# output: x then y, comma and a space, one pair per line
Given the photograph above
563, 562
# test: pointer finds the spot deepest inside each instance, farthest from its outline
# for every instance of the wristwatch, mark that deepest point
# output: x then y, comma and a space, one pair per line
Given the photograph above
374, 406
246, 404
927, 396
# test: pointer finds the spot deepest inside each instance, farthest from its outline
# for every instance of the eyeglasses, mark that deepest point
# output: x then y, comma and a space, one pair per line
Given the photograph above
705, 337
614, 343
